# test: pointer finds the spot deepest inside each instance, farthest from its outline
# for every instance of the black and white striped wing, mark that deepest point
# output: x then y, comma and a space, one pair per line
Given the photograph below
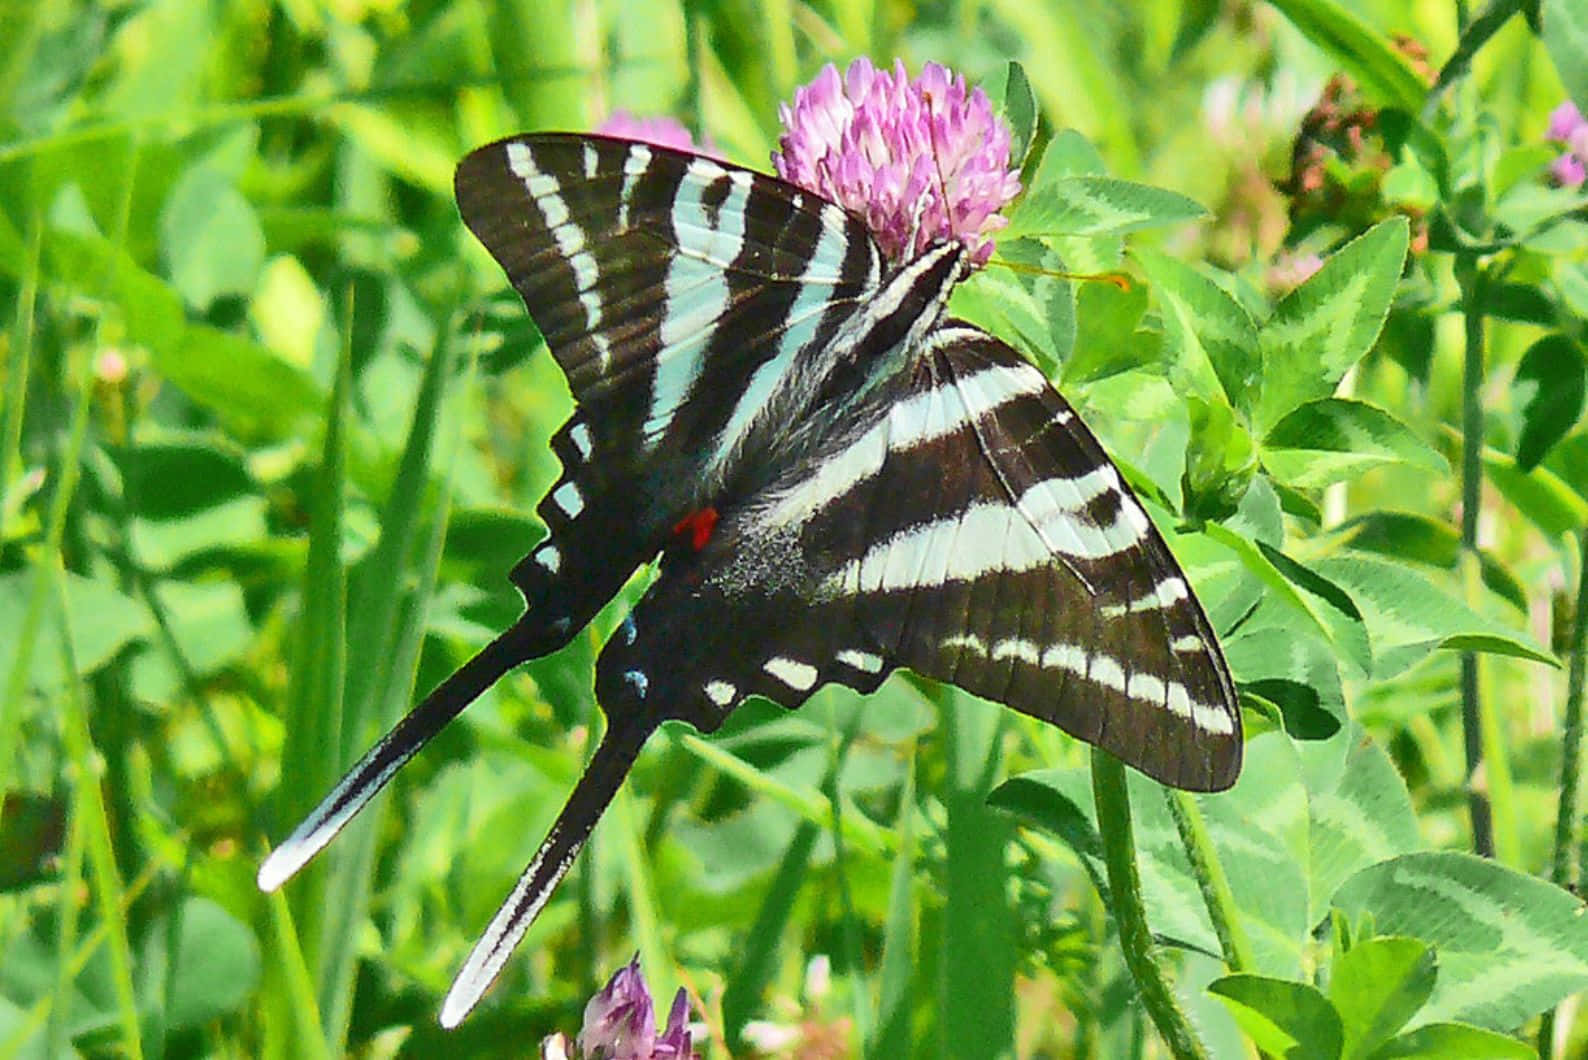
675, 292
967, 526
1038, 580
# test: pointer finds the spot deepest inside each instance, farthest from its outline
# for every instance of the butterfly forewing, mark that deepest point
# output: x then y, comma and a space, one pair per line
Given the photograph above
675, 292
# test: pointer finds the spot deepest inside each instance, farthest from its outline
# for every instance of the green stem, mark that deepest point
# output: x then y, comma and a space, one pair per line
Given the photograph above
1124, 885
1473, 283
1214, 884
1474, 35
1561, 869
57, 1040
838, 751
1571, 740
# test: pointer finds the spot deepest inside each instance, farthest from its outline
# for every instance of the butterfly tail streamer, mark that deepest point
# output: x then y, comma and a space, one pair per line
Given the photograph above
589, 800
365, 780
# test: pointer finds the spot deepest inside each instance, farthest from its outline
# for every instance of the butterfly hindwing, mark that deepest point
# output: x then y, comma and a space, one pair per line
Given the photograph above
1074, 609
964, 524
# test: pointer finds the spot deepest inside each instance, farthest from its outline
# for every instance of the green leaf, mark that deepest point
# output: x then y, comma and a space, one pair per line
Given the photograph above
1106, 340
1098, 206
1359, 812
1540, 495
1259, 828
1509, 945
1571, 281
1408, 616
1550, 386
1204, 329
1035, 800
1384, 74
151, 311
175, 479
1019, 108
1337, 440
210, 238
1220, 462
217, 964
1289, 667
1566, 39
209, 621
1283, 1018
1033, 310
255, 392
1308, 592
1376, 986
1068, 154
1453, 1041
102, 619
1326, 325
1523, 302
1423, 539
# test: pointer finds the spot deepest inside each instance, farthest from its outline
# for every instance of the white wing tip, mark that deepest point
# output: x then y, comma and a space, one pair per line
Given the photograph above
275, 870
282, 864
460, 1001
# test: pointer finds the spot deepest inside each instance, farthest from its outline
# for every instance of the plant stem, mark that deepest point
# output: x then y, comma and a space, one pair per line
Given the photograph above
1562, 870
1124, 885
1561, 867
1474, 35
1209, 873
1472, 282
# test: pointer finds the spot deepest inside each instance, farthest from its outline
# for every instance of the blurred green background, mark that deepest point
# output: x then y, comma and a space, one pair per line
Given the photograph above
273, 433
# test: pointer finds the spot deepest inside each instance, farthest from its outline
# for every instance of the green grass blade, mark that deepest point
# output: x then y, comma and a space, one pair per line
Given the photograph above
976, 995
66, 477
297, 1003
380, 584
895, 996
72, 884
758, 962
88, 806
387, 627
17, 365
311, 752
645, 919
811, 806
747, 983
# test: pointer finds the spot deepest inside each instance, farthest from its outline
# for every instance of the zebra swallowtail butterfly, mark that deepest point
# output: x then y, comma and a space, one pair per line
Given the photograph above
838, 482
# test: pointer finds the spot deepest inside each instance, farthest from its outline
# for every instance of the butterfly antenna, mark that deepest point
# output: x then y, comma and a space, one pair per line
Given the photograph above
361, 784
942, 184
1115, 279
590, 798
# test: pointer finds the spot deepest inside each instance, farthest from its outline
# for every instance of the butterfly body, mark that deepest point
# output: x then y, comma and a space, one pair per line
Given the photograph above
838, 480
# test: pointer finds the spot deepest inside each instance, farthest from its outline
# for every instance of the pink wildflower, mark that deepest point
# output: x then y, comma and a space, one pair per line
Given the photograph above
1567, 125
661, 131
891, 150
620, 1022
